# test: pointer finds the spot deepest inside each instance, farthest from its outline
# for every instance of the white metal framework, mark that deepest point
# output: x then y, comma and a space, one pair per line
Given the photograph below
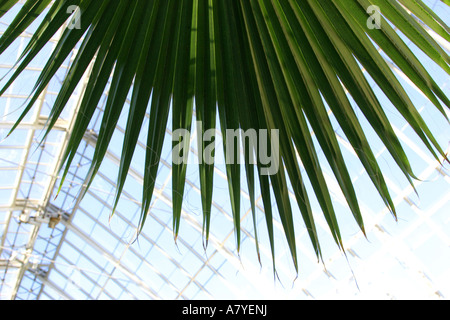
66, 247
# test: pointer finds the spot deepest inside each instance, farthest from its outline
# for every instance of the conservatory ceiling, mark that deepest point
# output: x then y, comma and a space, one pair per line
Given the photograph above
61, 246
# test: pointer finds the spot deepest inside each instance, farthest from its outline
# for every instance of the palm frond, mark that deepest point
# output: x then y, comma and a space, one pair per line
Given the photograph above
284, 66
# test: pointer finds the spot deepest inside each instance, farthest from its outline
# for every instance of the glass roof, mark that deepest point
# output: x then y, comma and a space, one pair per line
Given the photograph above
67, 247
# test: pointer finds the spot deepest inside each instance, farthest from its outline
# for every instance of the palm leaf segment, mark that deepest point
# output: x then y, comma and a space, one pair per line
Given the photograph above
281, 65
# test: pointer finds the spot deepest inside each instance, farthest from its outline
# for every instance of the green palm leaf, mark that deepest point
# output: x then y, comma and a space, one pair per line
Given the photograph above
278, 65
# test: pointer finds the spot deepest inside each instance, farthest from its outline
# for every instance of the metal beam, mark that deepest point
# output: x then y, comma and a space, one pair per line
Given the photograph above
116, 262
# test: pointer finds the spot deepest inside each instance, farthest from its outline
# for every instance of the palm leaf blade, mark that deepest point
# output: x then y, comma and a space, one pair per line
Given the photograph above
284, 67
